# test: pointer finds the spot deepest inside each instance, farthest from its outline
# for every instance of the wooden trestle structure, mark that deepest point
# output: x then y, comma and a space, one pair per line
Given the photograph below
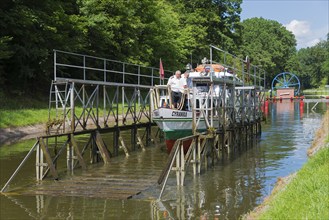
232, 115
97, 99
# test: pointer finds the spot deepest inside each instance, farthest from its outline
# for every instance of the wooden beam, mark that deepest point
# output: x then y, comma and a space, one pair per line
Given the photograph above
77, 151
140, 141
123, 146
102, 148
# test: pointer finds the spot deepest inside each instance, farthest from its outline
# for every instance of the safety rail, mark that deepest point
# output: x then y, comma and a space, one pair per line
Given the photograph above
251, 75
85, 67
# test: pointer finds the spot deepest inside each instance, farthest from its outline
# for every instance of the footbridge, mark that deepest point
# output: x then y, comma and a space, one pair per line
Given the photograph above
92, 97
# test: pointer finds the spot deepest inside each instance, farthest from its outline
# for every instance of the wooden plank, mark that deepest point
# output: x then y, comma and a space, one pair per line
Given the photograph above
111, 195
90, 189
102, 148
48, 158
167, 166
140, 142
123, 146
77, 152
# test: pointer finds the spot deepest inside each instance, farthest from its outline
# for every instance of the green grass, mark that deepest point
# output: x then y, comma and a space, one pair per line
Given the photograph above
22, 117
23, 111
306, 197
322, 91
17, 110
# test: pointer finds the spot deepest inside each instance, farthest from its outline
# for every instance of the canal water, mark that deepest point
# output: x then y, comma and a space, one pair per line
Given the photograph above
231, 188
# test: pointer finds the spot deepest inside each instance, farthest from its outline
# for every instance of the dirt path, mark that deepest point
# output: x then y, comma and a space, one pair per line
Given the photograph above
11, 135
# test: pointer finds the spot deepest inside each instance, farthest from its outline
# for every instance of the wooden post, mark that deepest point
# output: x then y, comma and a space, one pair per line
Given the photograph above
116, 135
148, 134
93, 151
37, 163
195, 155
178, 164
133, 138
198, 160
182, 165
69, 156
72, 108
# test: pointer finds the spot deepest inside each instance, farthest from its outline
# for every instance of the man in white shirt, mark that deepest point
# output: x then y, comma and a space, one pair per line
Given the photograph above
177, 85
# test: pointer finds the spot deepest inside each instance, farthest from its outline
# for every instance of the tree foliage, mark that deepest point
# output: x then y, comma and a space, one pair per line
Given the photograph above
30, 30
269, 45
137, 31
140, 32
312, 65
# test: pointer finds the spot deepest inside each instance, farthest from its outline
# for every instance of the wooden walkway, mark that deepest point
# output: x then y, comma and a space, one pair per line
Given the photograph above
122, 178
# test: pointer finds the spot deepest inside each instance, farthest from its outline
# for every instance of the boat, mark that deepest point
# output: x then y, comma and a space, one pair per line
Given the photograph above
198, 101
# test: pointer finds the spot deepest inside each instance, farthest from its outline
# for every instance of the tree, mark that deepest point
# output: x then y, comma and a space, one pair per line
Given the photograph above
205, 22
268, 44
135, 31
312, 65
35, 28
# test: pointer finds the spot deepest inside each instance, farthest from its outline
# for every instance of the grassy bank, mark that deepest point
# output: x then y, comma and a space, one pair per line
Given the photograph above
320, 91
306, 194
25, 111
20, 110
22, 117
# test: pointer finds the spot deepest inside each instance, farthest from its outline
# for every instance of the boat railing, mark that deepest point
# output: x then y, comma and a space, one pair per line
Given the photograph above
249, 74
162, 97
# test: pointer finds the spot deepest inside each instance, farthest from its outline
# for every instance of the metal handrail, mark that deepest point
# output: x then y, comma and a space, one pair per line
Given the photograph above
105, 69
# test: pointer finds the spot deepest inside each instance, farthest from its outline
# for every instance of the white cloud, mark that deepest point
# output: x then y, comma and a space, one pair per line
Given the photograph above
305, 35
299, 28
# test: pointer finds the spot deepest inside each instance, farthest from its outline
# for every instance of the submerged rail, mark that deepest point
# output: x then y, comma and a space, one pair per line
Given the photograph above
19, 167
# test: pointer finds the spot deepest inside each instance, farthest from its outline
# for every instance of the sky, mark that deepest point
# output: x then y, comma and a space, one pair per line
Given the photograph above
308, 20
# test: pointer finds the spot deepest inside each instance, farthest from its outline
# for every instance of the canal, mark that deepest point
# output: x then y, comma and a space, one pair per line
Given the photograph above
231, 188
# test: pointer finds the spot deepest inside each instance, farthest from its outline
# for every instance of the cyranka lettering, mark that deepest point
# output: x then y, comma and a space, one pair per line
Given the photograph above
179, 114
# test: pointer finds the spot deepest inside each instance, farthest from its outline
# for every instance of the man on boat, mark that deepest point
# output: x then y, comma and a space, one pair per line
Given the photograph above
188, 80
177, 85
187, 84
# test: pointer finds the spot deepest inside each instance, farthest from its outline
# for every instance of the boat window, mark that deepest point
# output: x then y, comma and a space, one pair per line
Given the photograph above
202, 87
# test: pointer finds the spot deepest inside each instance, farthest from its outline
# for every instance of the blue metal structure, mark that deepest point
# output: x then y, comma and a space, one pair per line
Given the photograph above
286, 80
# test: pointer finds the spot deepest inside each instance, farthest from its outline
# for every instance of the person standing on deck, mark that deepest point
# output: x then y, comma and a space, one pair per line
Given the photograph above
187, 83
177, 85
188, 80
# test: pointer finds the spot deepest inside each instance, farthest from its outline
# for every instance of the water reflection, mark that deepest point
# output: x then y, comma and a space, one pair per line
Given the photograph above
227, 190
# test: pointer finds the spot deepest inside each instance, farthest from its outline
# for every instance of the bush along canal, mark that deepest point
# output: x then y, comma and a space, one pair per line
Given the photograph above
235, 185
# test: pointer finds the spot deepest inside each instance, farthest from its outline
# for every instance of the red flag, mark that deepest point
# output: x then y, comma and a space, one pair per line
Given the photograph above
161, 70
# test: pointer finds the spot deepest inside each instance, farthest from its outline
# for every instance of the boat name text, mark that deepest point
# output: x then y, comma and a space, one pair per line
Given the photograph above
179, 114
